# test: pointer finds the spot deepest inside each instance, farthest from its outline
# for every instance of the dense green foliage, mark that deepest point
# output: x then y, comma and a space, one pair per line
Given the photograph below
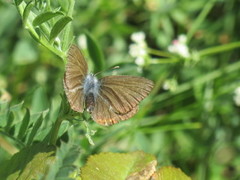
191, 119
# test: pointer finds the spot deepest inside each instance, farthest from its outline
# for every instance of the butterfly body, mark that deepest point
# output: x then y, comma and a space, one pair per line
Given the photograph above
110, 99
91, 85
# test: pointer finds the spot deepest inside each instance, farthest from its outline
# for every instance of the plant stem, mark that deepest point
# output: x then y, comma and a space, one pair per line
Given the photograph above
200, 19
67, 32
164, 61
4, 144
218, 49
158, 53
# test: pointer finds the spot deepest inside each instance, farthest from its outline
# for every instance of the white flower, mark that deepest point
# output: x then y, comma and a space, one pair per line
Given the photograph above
138, 49
139, 61
182, 39
236, 96
170, 84
138, 37
82, 41
179, 47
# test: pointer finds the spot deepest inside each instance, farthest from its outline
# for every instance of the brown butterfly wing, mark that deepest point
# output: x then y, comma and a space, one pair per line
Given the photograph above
119, 97
76, 70
104, 114
124, 92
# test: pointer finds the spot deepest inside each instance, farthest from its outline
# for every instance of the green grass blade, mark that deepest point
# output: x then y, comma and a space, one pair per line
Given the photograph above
24, 125
95, 52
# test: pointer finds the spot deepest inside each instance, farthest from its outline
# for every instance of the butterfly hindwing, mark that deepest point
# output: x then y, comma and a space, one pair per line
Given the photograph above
119, 97
103, 113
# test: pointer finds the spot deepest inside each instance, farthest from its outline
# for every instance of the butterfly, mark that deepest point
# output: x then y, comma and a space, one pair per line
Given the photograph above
110, 99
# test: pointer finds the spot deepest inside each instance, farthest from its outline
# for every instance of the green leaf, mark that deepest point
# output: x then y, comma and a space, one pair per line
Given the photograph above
39, 100
18, 2
17, 107
9, 121
29, 163
119, 166
63, 166
64, 5
170, 173
35, 129
41, 18
27, 10
95, 52
58, 27
24, 125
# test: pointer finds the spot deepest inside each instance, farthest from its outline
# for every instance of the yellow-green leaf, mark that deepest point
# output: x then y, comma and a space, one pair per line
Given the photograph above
119, 166
29, 163
170, 173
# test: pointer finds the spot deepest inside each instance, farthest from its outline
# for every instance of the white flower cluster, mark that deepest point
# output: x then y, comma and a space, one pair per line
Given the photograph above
170, 84
138, 49
82, 41
179, 47
236, 96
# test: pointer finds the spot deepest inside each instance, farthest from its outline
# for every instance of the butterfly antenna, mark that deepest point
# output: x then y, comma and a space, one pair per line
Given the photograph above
115, 67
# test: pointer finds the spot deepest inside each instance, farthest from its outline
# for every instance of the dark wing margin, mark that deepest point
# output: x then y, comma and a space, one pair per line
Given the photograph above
76, 70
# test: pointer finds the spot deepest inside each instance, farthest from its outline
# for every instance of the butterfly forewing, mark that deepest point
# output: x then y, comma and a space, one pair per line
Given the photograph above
124, 93
76, 70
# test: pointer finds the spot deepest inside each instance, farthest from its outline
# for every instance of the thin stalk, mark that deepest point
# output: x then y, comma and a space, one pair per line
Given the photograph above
172, 127
219, 49
164, 61
200, 19
158, 53
67, 32
4, 144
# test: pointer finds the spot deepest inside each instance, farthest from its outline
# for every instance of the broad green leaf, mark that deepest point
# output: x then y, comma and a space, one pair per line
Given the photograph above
41, 18
29, 163
170, 173
24, 125
59, 26
35, 128
119, 166
27, 10
95, 52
